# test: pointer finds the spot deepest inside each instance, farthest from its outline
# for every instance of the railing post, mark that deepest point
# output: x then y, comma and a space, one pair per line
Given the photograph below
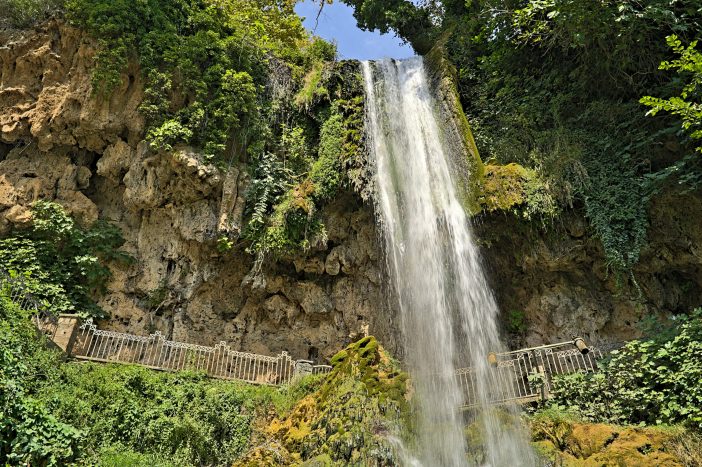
544, 384
66, 332
579, 342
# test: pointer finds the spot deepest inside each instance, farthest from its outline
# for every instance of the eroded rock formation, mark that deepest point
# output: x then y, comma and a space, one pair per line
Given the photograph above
61, 142
556, 281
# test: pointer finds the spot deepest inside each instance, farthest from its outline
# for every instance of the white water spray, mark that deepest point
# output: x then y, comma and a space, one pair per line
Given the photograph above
447, 310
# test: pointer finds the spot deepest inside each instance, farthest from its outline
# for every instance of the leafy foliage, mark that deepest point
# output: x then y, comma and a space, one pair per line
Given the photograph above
66, 261
185, 417
654, 381
56, 413
516, 322
29, 434
561, 73
325, 173
687, 105
205, 62
290, 193
25, 13
270, 180
411, 22
554, 85
312, 91
237, 79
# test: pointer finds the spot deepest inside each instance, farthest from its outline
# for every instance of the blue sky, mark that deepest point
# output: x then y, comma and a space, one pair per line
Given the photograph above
337, 23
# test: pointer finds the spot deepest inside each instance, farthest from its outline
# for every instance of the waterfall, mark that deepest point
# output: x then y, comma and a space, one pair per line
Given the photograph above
447, 310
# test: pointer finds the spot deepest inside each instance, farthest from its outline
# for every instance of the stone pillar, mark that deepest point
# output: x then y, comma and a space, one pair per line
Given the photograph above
302, 368
66, 332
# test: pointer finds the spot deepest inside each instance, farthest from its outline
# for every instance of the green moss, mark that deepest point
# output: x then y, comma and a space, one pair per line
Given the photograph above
339, 358
443, 77
293, 226
322, 460
345, 421
313, 88
319, 154
561, 439
326, 170
515, 189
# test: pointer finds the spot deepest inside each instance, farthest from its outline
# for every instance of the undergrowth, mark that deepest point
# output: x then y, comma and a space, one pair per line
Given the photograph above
58, 413
652, 381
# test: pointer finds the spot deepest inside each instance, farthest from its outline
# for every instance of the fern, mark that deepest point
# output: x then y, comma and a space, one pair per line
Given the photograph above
270, 180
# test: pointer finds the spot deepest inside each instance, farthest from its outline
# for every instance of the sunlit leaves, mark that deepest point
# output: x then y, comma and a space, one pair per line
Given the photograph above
687, 105
65, 260
652, 381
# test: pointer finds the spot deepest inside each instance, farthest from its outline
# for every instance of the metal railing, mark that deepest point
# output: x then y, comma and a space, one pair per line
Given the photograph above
155, 351
520, 376
526, 375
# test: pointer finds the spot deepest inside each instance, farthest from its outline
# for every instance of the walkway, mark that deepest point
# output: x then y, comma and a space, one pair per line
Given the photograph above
520, 376
82, 340
526, 375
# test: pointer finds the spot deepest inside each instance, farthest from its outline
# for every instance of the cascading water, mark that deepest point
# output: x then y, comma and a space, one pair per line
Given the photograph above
447, 310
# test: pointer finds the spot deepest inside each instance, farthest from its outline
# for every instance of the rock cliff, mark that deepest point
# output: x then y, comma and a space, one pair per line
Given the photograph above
61, 142
553, 283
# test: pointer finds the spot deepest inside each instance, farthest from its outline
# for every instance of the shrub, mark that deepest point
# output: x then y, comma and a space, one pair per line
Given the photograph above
325, 173
285, 216
686, 105
65, 261
29, 434
57, 413
654, 381
206, 63
138, 413
25, 13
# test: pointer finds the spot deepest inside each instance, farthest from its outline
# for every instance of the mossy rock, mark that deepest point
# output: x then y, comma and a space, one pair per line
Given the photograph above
319, 461
347, 421
571, 443
515, 189
454, 124
504, 187
586, 440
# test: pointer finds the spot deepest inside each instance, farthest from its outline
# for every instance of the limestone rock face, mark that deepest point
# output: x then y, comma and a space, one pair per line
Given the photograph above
46, 93
62, 142
557, 281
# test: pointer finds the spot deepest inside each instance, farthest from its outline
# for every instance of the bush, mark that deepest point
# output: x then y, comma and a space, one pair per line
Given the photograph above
134, 412
325, 173
65, 261
652, 382
687, 105
29, 434
57, 413
25, 13
285, 217
206, 64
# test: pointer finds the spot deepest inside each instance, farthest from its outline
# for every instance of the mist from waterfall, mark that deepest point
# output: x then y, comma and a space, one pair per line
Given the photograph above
447, 310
